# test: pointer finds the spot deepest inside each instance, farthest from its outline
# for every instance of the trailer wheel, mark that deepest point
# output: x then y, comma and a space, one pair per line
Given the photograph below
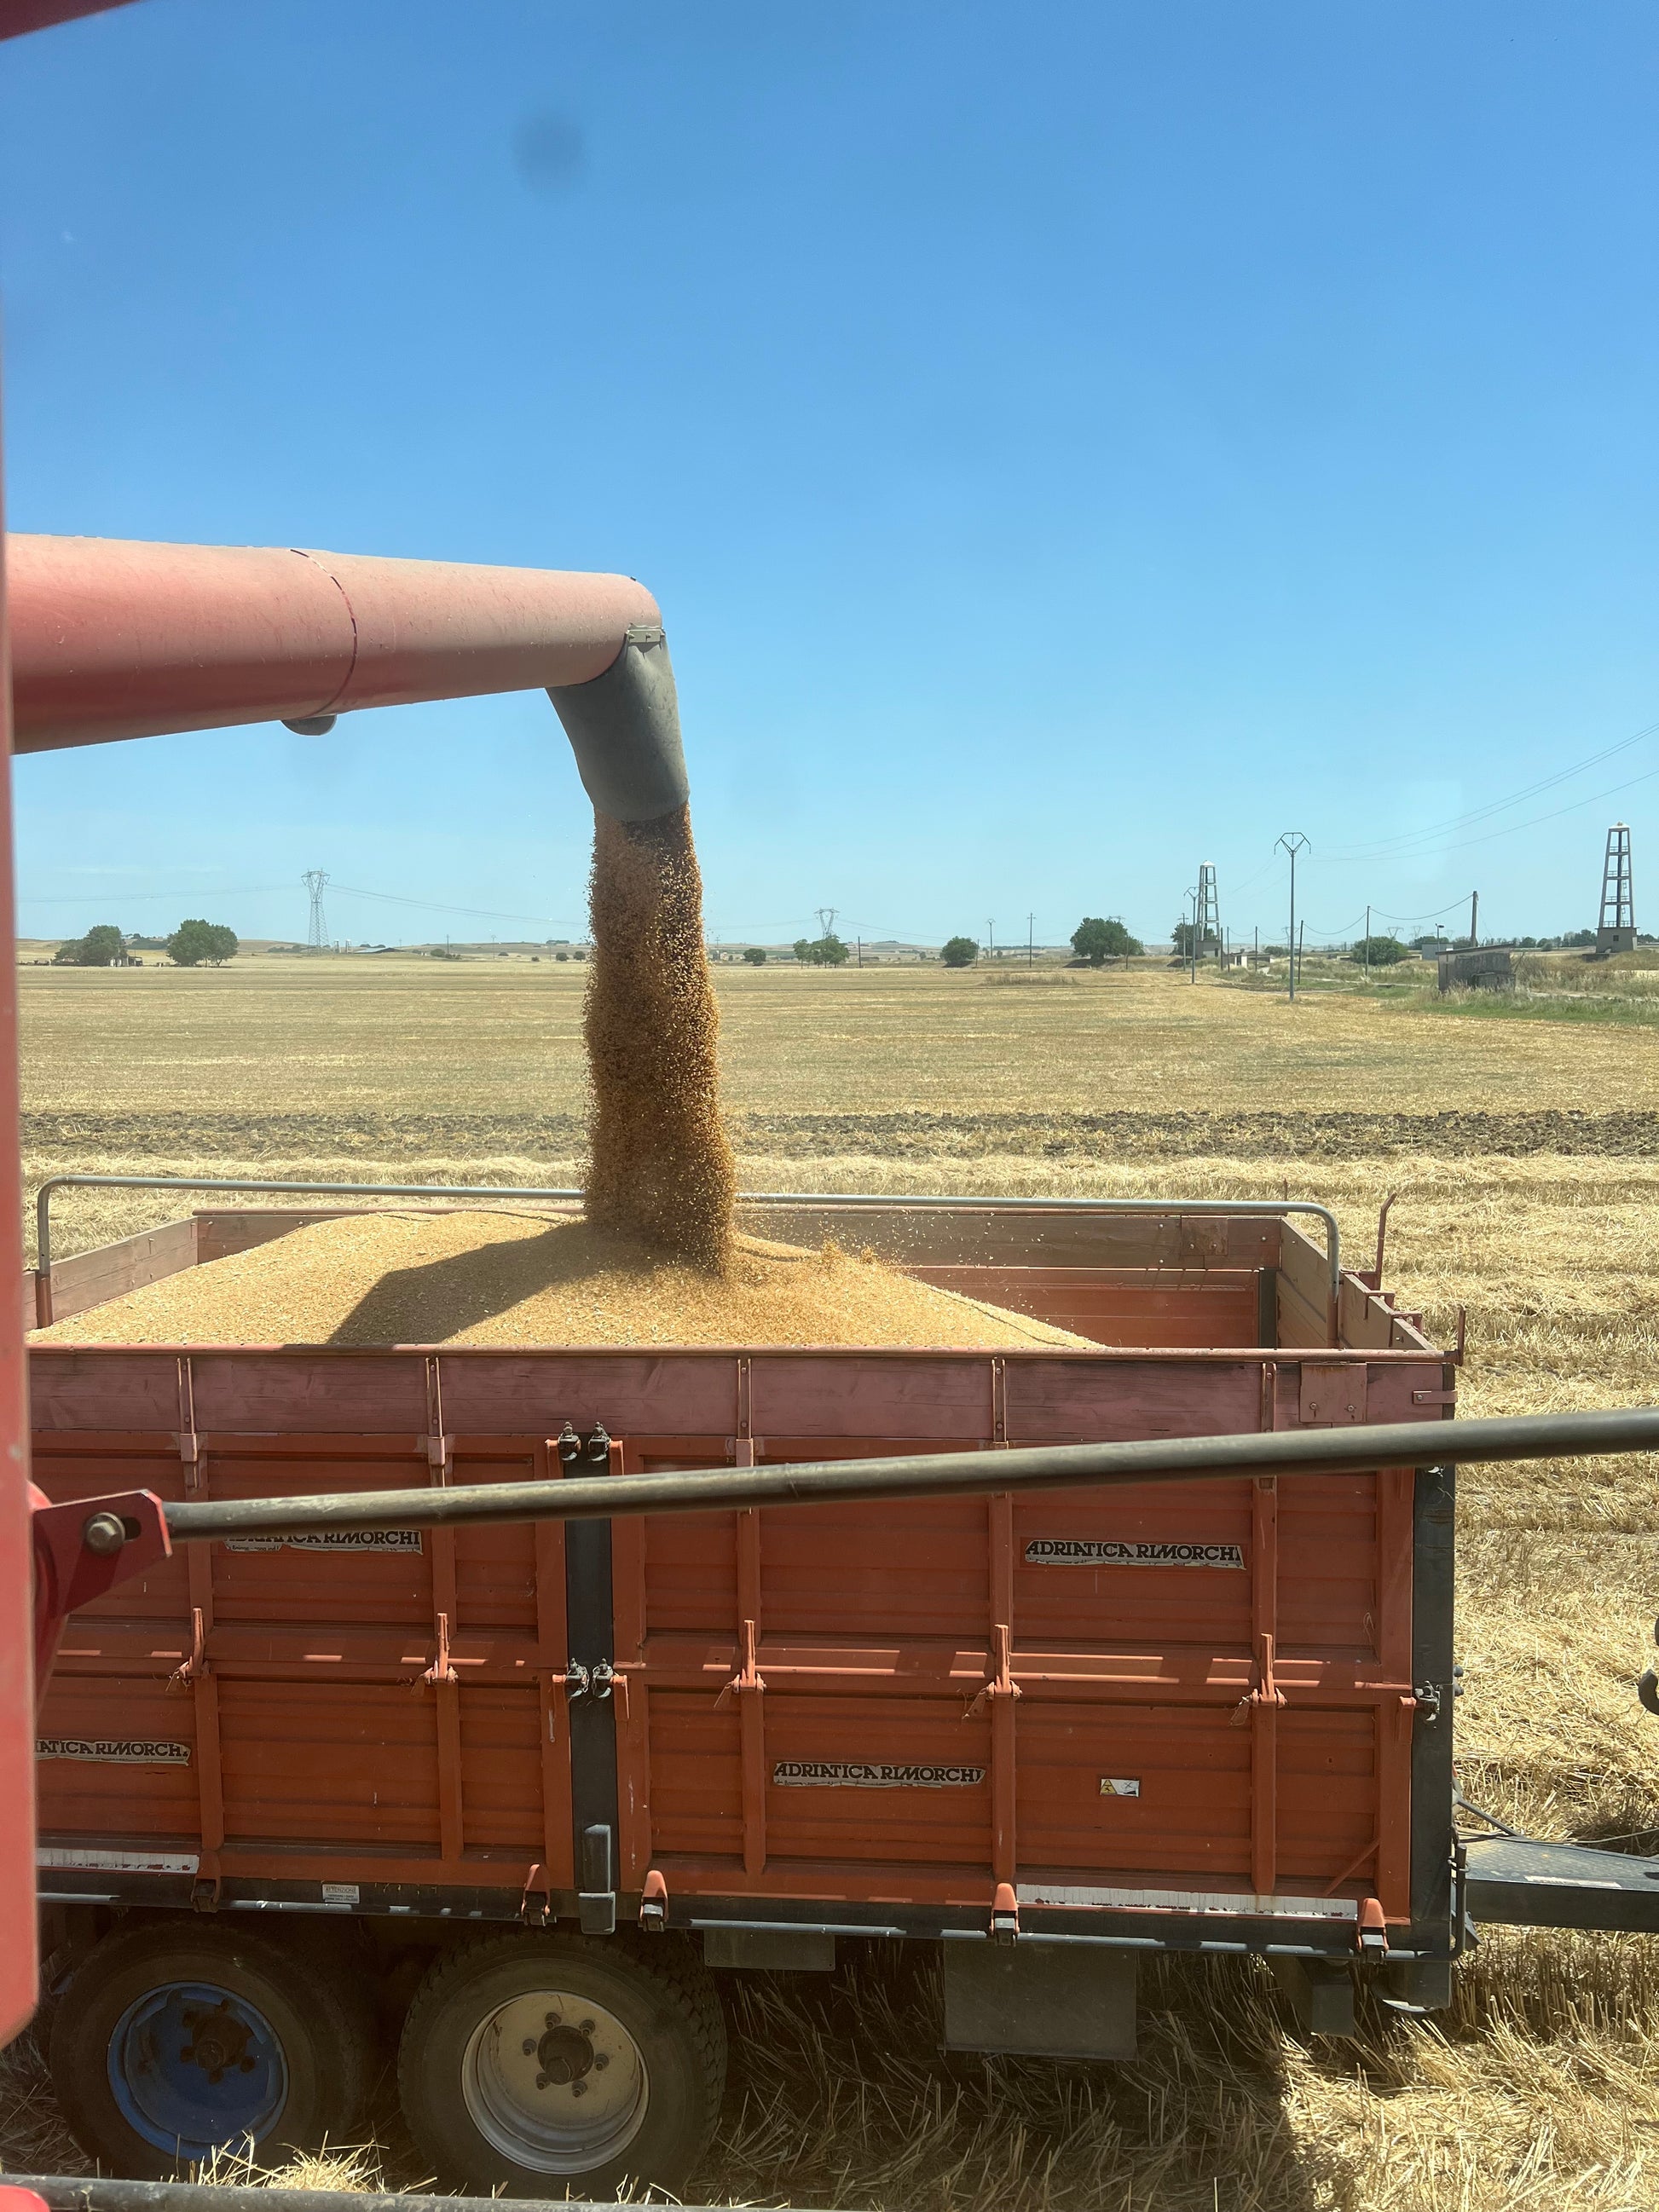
175, 2039
527, 2057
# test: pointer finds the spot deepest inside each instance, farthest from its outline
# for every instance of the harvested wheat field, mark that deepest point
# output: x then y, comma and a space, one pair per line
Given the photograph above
505, 1278
1527, 1157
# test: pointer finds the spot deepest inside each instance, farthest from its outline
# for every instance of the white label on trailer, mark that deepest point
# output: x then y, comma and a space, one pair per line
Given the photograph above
64, 1857
1120, 1785
340, 1893
871, 1774
332, 1539
1105, 1552
1189, 1900
113, 1751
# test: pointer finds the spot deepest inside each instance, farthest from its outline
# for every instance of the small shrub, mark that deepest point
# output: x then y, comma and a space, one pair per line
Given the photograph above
1382, 952
958, 951
754, 955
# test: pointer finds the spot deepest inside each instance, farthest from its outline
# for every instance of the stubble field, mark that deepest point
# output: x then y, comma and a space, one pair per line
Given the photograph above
1527, 1159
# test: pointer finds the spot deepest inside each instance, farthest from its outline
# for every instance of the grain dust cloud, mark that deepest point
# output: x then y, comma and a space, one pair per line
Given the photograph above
660, 1166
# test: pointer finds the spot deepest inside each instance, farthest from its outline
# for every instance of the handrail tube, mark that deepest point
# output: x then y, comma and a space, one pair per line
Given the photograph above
1364, 1446
1275, 1206
63, 2192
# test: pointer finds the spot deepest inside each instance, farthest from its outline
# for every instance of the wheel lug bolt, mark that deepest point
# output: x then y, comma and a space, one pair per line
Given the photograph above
529, 2044
552, 2020
579, 2088
541, 2081
601, 2060
587, 2028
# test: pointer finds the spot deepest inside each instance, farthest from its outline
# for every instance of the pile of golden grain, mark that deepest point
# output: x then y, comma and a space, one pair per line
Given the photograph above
514, 1278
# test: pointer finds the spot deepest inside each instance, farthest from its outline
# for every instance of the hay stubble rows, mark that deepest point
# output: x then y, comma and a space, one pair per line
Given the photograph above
1528, 1158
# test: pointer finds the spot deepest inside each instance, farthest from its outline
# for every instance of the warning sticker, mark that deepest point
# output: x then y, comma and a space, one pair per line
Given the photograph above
1120, 1785
1104, 1552
332, 1539
871, 1774
113, 1751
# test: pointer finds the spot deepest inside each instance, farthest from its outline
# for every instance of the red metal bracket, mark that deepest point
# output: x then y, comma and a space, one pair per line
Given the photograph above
1266, 1691
748, 1676
82, 1550
535, 1907
196, 1668
1373, 1931
654, 1903
441, 1670
1002, 1683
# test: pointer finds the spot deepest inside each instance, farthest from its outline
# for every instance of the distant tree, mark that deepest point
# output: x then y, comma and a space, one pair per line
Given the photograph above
754, 955
194, 943
1576, 938
1098, 941
821, 951
1182, 938
958, 951
95, 949
1380, 951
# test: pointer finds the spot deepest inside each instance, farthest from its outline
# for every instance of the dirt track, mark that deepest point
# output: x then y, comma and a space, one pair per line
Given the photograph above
1074, 1137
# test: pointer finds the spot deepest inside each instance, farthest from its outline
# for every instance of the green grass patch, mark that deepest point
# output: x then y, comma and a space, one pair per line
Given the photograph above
1604, 1010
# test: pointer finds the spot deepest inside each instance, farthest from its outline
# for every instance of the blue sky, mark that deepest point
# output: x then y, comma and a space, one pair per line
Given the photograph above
1068, 442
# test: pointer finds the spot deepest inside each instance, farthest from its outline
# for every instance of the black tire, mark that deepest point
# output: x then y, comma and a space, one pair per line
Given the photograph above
126, 2078
472, 2080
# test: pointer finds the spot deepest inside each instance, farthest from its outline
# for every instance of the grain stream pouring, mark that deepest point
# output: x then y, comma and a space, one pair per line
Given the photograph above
660, 1166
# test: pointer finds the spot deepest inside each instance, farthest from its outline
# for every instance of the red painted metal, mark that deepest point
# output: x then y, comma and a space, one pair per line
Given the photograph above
111, 638
18, 1968
68, 1575
18, 16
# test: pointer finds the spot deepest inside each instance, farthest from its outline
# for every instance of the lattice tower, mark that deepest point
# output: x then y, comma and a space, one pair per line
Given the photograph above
1208, 910
315, 881
1615, 931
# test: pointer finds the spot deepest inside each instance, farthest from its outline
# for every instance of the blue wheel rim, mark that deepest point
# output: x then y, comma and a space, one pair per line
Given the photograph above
196, 2069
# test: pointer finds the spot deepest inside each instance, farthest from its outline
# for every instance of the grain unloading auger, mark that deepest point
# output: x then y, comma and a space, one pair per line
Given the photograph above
114, 638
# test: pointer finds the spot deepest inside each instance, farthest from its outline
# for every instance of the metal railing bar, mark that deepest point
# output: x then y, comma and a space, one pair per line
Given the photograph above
1274, 1207
69, 2193
1363, 1447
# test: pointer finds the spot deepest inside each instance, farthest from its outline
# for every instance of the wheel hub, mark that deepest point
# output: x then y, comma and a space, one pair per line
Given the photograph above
218, 2042
564, 2055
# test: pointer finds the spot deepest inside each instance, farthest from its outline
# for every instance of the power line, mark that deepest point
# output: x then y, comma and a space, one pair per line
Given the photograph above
436, 906
1383, 847
1555, 814
1451, 906
131, 898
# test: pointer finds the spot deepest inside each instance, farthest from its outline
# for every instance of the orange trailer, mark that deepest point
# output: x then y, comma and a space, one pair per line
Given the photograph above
1046, 1730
